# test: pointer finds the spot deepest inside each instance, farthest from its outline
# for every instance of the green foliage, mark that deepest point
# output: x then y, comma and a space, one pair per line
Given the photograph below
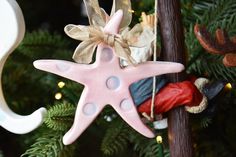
23, 77
41, 43
209, 132
220, 13
205, 122
119, 136
213, 14
115, 140
60, 116
218, 139
49, 144
211, 66
148, 147
201, 122
142, 6
72, 92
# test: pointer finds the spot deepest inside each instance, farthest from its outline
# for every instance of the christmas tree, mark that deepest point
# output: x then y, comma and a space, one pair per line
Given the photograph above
27, 89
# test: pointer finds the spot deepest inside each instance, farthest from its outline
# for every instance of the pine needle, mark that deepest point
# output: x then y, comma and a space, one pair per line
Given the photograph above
60, 116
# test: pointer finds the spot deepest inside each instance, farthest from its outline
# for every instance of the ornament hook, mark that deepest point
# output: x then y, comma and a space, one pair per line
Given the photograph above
12, 31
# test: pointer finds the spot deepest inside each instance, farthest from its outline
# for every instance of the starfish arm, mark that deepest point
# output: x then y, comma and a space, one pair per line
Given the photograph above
150, 69
70, 70
113, 25
127, 110
87, 110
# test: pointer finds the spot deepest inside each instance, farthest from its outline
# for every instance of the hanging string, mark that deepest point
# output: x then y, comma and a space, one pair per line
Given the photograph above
154, 59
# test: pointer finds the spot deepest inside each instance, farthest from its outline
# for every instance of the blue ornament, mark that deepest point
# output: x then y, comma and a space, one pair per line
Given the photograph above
142, 90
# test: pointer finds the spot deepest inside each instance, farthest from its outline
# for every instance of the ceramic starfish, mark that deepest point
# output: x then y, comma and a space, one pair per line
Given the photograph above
106, 83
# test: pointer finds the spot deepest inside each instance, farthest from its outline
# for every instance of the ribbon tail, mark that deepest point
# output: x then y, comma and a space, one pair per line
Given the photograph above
124, 53
140, 36
146, 38
84, 52
105, 16
95, 14
77, 32
125, 5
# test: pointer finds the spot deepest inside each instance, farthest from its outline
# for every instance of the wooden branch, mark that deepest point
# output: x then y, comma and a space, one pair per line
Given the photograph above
173, 50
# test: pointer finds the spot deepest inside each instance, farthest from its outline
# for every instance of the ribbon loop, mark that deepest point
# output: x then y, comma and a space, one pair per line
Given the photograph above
98, 17
93, 35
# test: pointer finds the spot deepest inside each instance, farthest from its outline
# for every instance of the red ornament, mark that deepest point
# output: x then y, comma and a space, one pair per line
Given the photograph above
173, 95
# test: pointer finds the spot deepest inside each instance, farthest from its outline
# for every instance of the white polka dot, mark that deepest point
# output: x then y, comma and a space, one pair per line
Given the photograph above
89, 109
126, 104
113, 83
63, 67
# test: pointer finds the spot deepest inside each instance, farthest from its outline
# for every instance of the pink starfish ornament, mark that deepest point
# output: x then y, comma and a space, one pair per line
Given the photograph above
106, 83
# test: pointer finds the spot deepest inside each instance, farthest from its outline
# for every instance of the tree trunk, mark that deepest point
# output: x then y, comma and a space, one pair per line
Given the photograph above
173, 49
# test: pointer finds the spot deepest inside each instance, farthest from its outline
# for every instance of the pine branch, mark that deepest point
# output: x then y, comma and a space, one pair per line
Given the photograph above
115, 140
41, 43
147, 147
120, 135
49, 144
60, 116
19, 73
205, 122
72, 92
216, 13
211, 66
221, 13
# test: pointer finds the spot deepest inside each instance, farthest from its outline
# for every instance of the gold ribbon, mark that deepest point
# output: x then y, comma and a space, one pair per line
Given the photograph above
98, 17
93, 35
125, 5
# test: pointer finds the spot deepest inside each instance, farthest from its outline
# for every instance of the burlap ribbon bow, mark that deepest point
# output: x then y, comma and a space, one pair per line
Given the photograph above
93, 35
